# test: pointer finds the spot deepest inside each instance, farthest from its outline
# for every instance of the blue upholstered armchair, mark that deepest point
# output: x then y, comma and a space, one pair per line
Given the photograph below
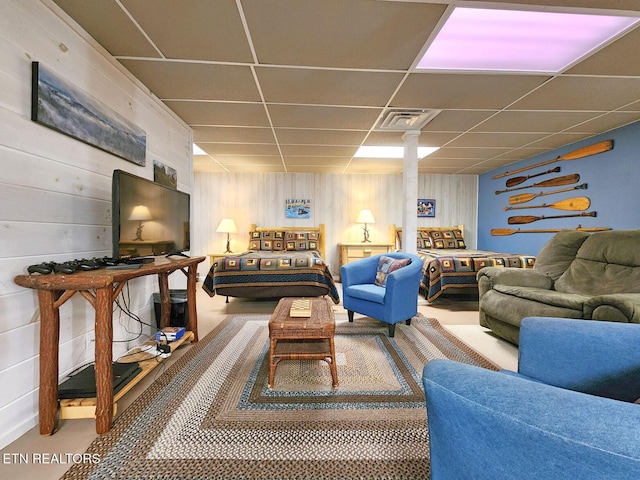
566, 414
394, 302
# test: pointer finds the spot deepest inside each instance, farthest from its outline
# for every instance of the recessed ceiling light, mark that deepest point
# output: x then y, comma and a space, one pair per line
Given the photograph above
521, 41
198, 151
387, 151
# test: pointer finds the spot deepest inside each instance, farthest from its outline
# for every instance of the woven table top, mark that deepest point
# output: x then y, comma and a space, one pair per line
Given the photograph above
321, 323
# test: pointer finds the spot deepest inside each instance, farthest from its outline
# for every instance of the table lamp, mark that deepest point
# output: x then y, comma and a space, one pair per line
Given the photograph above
140, 213
227, 225
365, 216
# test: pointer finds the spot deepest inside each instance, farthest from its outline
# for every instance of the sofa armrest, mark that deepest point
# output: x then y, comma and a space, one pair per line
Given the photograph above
621, 307
517, 277
600, 358
359, 272
500, 426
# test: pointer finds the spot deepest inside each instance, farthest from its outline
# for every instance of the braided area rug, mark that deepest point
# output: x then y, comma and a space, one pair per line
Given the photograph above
212, 416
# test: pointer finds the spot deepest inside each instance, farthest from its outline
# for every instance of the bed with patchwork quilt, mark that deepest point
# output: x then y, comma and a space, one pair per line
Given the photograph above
450, 267
280, 262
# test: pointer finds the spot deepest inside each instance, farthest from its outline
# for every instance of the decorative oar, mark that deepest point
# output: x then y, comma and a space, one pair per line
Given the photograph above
552, 182
575, 204
527, 197
512, 182
522, 219
594, 149
511, 231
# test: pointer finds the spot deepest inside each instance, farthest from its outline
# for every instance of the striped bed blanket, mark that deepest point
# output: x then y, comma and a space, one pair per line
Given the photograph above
271, 274
449, 269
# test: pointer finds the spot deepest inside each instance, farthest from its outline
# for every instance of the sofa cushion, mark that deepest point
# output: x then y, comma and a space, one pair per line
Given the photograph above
607, 262
573, 301
367, 291
557, 254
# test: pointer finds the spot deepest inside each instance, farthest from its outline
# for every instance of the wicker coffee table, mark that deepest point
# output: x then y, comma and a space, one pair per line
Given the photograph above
306, 338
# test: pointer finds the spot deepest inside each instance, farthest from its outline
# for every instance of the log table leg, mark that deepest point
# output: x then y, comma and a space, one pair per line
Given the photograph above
191, 301
104, 359
49, 339
165, 300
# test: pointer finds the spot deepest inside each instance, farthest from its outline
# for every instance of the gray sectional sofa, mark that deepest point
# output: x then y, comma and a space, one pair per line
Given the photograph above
576, 275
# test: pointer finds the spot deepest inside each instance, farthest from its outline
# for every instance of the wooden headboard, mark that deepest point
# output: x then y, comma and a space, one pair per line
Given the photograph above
320, 229
394, 231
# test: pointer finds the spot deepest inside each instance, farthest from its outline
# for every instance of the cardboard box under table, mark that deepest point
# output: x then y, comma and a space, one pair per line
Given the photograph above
302, 338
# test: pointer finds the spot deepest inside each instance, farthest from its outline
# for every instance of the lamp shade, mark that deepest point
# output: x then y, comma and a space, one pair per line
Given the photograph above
227, 225
365, 216
140, 212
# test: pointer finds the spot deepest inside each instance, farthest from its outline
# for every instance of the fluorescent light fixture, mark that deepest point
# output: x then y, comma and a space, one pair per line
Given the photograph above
521, 41
387, 151
198, 151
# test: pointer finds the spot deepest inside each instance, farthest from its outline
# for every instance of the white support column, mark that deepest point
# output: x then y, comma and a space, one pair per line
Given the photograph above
410, 191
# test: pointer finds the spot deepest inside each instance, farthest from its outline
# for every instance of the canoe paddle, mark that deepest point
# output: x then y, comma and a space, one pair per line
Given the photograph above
527, 197
512, 182
511, 231
575, 203
594, 149
552, 182
522, 219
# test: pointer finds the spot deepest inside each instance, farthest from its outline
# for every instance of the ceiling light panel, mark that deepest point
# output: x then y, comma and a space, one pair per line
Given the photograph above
521, 41
388, 151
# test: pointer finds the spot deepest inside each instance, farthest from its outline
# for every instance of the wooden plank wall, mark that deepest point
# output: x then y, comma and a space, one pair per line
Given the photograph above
55, 194
335, 201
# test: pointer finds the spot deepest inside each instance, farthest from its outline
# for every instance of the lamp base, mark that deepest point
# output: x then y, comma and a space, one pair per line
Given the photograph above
228, 250
366, 234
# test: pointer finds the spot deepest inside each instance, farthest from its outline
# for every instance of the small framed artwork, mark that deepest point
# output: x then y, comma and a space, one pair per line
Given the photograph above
298, 208
426, 207
165, 175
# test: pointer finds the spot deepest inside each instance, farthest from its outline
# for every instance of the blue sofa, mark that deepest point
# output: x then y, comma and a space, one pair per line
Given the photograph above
395, 302
568, 412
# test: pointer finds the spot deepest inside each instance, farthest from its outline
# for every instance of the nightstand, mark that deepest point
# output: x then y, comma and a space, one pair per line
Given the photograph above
349, 252
214, 257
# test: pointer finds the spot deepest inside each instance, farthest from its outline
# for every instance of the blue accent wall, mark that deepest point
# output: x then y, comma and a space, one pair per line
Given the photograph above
613, 186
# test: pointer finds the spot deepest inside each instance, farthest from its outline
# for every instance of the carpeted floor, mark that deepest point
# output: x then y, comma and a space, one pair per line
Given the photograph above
211, 415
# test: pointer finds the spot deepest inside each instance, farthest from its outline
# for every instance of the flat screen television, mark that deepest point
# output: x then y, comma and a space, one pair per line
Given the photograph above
149, 219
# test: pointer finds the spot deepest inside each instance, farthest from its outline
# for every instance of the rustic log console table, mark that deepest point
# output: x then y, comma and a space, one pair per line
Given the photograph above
100, 288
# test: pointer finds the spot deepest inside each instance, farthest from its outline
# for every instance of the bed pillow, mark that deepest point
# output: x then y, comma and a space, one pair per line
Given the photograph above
301, 241
387, 265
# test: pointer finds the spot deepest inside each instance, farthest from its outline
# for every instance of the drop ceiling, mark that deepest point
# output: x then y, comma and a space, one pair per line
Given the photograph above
299, 85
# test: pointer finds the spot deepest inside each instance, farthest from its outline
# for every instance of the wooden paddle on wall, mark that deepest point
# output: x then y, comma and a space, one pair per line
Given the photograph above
512, 182
576, 203
522, 219
552, 182
527, 197
511, 231
594, 149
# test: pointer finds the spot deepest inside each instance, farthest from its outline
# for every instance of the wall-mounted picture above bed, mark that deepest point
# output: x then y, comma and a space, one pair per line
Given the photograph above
426, 207
297, 208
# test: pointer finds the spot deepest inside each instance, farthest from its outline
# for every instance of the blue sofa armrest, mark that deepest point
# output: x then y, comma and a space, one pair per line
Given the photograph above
596, 357
403, 285
359, 272
487, 426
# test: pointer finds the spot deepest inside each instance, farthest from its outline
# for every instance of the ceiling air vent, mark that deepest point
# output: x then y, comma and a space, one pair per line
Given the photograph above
403, 120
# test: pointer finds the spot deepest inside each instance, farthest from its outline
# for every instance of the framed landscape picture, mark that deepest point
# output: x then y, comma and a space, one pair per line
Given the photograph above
59, 105
426, 207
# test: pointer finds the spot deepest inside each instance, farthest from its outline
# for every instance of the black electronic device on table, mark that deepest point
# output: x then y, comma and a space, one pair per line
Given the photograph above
148, 216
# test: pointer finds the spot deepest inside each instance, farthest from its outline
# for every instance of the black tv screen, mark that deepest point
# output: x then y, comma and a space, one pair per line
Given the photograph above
149, 219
